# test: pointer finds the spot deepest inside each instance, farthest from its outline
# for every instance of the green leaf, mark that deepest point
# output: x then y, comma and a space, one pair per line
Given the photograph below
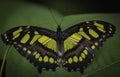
105, 63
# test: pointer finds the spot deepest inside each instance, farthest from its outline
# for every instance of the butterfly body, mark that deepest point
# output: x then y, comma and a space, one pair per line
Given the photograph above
60, 41
73, 48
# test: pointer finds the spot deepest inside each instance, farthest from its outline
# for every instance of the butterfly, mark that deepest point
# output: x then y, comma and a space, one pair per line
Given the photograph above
73, 49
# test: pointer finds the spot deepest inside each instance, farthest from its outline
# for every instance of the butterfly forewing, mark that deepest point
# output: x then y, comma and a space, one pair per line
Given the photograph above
36, 44
81, 42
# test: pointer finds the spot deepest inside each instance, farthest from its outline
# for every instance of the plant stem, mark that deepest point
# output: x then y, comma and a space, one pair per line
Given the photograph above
4, 58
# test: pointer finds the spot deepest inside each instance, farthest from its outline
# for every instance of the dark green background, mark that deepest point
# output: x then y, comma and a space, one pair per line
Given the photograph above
106, 62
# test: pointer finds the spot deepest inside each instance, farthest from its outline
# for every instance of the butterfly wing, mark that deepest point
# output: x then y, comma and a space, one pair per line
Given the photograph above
35, 43
82, 40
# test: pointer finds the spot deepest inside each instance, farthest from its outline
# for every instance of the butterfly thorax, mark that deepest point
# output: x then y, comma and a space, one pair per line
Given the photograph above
59, 33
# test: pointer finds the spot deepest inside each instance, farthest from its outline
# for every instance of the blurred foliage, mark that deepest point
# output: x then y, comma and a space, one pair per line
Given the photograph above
68, 7
105, 63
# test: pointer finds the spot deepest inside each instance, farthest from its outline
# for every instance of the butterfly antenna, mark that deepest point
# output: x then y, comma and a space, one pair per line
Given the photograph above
53, 15
55, 18
61, 20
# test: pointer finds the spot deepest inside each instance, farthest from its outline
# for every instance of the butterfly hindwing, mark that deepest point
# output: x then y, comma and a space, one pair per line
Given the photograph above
81, 42
36, 44
78, 57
